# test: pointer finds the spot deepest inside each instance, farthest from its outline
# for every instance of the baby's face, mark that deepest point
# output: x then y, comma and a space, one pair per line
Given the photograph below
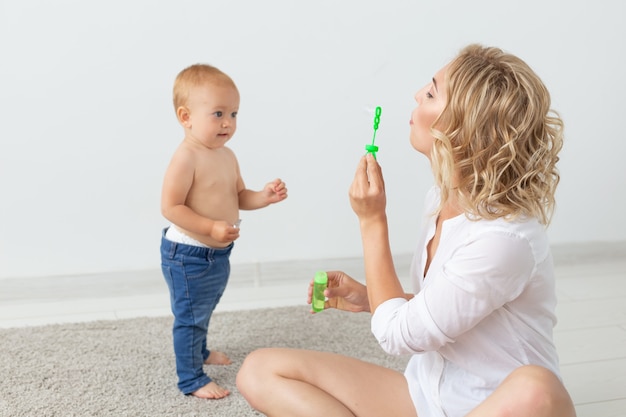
212, 114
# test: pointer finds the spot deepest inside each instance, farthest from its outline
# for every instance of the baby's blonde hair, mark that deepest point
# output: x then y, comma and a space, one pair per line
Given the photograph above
497, 140
194, 76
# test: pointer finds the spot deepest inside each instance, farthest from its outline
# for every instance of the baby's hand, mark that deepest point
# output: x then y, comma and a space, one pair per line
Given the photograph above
224, 232
275, 191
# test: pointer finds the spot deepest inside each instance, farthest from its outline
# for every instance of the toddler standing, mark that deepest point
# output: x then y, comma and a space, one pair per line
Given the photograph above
202, 194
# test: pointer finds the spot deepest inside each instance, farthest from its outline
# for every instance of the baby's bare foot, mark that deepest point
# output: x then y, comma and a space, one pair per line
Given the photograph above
211, 391
217, 358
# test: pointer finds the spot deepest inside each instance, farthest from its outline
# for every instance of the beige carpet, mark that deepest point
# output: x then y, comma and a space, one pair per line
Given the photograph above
126, 367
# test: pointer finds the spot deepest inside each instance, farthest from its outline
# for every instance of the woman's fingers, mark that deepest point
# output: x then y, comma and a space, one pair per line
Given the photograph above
367, 192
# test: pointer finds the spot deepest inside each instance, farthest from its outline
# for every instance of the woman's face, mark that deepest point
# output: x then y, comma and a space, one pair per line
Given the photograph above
431, 100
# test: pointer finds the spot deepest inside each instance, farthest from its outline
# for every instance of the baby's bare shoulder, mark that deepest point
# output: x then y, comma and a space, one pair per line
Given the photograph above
183, 154
228, 152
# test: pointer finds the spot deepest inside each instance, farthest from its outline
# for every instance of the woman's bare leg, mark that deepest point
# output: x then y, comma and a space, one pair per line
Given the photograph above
288, 382
529, 391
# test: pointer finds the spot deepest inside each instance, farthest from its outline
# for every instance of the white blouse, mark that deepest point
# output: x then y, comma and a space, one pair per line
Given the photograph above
485, 307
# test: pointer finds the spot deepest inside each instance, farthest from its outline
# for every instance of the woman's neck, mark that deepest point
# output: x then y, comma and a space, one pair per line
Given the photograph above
450, 208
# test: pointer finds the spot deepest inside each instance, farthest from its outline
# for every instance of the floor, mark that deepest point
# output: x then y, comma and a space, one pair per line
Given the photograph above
590, 335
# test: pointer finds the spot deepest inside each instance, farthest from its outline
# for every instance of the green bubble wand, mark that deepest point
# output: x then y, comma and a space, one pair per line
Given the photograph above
371, 148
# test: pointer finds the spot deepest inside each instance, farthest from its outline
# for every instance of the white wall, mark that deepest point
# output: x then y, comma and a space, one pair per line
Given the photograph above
87, 126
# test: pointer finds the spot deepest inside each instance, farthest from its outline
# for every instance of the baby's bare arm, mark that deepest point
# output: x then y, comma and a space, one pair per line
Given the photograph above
273, 192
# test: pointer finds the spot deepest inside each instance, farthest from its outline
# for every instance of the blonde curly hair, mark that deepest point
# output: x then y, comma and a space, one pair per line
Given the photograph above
497, 140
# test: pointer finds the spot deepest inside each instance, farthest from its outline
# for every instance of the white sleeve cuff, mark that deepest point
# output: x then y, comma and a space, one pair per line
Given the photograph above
402, 326
383, 315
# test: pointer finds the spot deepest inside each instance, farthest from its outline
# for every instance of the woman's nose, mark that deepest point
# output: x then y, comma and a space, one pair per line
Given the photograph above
418, 97
420, 94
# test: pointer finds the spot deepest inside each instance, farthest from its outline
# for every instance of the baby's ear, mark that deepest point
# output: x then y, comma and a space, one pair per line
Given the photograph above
182, 113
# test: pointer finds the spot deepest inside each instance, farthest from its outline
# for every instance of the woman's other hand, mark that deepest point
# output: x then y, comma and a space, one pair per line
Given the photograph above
343, 293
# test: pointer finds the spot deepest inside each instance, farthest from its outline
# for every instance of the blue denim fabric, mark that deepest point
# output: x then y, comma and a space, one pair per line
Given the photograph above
196, 278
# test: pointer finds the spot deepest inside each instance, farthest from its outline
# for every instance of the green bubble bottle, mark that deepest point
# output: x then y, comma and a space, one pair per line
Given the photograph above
320, 282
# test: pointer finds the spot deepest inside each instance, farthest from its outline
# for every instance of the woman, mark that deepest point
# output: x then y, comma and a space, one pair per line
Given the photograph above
479, 326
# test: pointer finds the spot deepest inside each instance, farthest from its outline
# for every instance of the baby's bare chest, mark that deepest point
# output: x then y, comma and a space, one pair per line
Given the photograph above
216, 174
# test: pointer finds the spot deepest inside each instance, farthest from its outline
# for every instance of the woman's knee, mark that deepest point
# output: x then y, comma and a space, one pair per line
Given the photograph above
255, 375
248, 375
539, 389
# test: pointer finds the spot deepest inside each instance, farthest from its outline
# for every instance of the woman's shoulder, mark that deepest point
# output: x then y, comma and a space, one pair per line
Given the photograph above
526, 234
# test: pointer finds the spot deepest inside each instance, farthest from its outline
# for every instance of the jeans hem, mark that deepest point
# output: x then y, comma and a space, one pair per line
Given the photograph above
195, 386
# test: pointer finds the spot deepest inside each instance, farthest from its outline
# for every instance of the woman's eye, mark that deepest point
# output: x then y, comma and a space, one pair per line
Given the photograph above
428, 95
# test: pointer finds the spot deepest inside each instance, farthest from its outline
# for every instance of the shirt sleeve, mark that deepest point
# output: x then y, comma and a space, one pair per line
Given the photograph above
480, 277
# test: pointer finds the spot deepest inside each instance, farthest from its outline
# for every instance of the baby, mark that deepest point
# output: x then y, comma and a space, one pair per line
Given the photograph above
202, 194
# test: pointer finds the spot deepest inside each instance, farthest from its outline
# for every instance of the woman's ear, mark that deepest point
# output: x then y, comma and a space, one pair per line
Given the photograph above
182, 113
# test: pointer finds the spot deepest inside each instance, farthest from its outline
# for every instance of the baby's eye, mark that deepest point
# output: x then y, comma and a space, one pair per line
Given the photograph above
233, 114
218, 113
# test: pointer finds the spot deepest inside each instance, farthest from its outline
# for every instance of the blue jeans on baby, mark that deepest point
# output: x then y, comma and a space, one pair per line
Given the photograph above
196, 277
